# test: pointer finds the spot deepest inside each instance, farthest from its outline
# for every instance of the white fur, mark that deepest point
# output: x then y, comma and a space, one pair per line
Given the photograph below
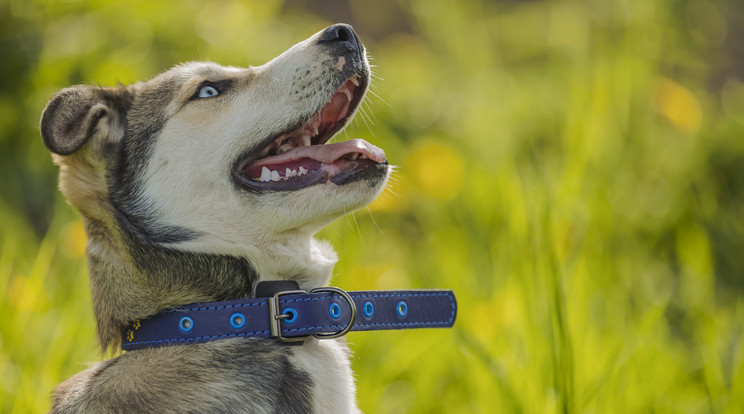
200, 140
185, 154
328, 365
198, 143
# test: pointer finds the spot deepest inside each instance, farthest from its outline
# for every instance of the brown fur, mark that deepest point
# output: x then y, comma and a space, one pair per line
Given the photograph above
146, 254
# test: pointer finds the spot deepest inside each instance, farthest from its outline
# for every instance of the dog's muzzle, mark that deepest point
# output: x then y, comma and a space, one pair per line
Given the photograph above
299, 155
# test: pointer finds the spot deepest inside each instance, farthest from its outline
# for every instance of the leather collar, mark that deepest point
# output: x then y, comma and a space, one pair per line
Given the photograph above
293, 315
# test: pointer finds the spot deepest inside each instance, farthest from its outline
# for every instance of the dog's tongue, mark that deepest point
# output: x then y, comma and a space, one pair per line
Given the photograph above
326, 154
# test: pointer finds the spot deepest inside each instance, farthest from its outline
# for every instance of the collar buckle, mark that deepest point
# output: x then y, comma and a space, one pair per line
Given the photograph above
276, 315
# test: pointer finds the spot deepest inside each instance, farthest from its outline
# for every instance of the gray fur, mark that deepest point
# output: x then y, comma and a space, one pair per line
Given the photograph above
73, 116
200, 378
144, 121
143, 261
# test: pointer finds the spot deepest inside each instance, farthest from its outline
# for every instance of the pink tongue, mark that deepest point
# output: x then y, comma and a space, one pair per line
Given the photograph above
326, 154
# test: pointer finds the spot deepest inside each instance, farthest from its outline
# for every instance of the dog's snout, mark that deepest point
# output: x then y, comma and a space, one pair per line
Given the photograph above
341, 35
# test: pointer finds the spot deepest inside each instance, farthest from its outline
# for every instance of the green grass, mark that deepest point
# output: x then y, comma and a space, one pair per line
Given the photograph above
565, 166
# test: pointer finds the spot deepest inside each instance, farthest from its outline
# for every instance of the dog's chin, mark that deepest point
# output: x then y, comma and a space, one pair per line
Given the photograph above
311, 208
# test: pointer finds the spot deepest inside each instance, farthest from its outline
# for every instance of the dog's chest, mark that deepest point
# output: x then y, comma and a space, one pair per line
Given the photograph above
327, 363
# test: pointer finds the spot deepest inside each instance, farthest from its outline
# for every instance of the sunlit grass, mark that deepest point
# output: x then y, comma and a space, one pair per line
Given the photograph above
564, 166
47, 326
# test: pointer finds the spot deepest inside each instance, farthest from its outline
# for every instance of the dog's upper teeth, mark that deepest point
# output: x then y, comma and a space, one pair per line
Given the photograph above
284, 148
267, 150
355, 80
347, 92
305, 140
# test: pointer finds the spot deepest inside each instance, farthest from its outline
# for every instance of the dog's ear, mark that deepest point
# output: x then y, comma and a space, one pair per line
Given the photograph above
75, 114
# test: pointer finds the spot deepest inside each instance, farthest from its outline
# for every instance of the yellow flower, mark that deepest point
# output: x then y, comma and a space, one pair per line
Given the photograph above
678, 105
436, 169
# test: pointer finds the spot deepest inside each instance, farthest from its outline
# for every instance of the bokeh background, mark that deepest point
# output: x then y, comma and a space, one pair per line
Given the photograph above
573, 169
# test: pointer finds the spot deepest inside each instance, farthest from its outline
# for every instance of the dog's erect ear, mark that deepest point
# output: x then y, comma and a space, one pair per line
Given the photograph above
74, 114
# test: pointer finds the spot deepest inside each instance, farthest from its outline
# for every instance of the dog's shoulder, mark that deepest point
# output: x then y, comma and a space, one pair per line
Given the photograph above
70, 395
235, 375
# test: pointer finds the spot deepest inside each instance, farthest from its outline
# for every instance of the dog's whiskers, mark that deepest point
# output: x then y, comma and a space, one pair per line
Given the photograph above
373, 219
380, 98
371, 115
361, 239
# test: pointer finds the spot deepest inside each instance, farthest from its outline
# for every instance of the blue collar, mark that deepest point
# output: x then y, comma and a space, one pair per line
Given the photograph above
295, 315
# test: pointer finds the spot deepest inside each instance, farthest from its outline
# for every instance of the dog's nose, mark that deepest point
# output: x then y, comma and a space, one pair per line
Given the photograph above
341, 35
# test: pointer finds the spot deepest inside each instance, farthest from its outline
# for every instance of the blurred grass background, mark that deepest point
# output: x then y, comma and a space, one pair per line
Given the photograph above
574, 170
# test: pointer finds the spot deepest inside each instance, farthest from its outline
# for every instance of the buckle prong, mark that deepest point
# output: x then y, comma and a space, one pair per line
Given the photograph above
275, 317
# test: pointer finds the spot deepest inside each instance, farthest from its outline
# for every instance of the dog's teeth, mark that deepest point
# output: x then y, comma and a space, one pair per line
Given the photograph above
362, 156
305, 140
275, 176
287, 173
284, 148
266, 151
347, 92
277, 142
302, 171
355, 80
354, 156
265, 175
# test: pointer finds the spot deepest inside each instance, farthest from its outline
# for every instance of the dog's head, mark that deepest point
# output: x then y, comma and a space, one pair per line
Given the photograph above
228, 165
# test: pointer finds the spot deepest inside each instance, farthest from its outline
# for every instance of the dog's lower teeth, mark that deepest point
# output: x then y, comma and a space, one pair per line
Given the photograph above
265, 175
290, 173
272, 175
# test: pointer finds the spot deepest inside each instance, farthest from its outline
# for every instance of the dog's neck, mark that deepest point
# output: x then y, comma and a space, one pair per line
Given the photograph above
132, 280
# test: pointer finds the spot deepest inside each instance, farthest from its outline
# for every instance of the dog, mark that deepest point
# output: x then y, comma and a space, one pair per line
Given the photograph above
196, 185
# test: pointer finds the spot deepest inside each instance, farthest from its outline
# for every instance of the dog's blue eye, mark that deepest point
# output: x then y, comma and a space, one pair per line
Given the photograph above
208, 91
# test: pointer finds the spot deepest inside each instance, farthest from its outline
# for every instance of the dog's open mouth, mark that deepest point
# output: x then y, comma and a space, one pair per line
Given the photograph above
301, 157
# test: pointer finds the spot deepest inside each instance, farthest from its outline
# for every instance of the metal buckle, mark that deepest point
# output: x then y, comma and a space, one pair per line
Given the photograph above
275, 317
352, 305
